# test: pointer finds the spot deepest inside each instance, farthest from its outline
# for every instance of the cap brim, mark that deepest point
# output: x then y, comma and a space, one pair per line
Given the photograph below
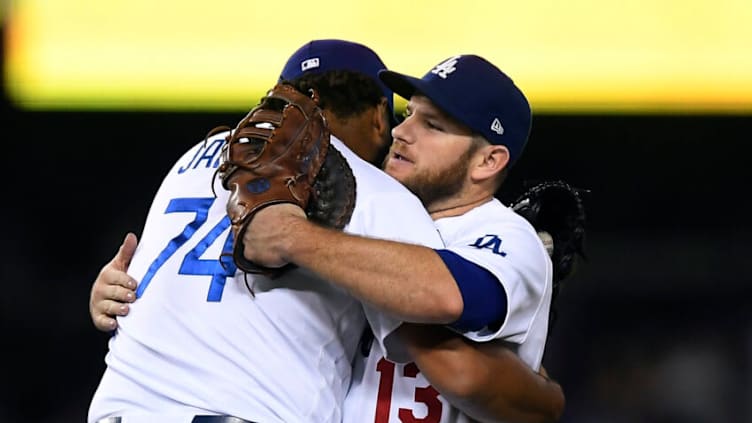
403, 85
393, 119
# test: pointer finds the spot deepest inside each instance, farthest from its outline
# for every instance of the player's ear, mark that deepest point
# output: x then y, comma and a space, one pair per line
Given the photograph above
491, 160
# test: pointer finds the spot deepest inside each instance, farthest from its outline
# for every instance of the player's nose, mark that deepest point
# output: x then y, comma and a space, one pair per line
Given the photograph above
402, 132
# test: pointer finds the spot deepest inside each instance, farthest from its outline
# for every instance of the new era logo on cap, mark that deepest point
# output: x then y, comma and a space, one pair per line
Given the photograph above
496, 126
475, 93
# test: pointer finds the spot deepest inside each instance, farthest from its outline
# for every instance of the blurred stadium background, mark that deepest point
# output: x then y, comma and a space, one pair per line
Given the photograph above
647, 104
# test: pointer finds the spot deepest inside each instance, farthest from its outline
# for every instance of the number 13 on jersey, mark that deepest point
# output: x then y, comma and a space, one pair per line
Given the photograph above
427, 396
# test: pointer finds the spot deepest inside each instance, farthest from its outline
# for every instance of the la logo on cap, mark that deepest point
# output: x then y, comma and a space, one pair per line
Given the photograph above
446, 67
309, 64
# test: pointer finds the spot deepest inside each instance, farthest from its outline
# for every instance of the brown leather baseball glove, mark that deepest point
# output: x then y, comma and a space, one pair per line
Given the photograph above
280, 152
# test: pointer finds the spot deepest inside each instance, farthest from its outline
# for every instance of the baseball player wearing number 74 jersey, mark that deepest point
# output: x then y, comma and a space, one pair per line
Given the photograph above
198, 342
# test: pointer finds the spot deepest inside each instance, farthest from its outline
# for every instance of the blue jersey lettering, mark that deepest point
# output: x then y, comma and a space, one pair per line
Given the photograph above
492, 242
209, 154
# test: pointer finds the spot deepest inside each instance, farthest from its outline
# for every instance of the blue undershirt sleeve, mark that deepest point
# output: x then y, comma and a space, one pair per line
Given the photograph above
485, 301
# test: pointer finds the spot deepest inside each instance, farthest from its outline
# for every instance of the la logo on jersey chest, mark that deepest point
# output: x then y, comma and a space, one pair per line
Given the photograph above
491, 242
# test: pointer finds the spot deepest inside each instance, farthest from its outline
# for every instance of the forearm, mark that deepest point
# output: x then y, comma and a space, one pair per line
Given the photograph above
486, 381
407, 281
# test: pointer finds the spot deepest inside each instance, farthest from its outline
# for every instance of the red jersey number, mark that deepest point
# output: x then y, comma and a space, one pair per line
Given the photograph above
428, 396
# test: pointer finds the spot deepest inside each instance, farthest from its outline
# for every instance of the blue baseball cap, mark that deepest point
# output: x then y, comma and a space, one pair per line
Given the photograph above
320, 56
475, 93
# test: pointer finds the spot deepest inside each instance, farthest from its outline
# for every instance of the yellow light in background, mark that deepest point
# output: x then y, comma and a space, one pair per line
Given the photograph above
574, 56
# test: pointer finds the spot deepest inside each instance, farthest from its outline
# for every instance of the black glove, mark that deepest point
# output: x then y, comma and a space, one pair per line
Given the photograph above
556, 208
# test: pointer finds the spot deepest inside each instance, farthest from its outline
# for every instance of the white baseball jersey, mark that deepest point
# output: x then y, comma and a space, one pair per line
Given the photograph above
198, 342
499, 240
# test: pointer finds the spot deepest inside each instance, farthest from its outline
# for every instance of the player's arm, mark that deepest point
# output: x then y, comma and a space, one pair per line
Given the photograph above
407, 281
113, 289
487, 381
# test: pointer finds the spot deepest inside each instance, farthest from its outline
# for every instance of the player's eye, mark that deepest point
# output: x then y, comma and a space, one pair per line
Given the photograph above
434, 125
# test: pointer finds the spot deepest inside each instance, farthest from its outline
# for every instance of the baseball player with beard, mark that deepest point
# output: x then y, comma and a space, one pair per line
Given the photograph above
466, 124
278, 400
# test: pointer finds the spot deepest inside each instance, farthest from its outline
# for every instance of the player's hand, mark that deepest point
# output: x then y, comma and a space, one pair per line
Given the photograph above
269, 232
113, 289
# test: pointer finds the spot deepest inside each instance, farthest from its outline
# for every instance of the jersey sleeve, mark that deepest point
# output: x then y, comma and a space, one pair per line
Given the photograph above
513, 253
395, 216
